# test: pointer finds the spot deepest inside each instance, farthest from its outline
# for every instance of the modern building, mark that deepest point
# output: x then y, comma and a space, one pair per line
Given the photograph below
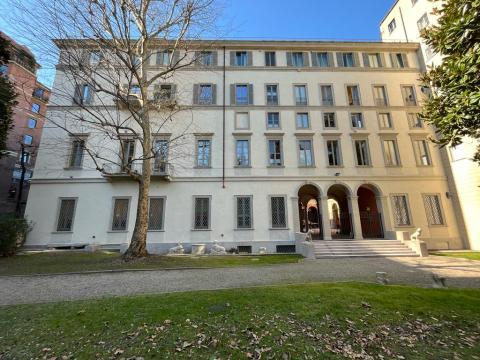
404, 22
28, 120
285, 137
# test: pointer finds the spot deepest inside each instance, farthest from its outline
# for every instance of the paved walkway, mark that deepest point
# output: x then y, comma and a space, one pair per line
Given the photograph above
48, 288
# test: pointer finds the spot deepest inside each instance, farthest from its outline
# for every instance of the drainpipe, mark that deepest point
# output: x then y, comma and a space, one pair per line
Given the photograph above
223, 123
403, 24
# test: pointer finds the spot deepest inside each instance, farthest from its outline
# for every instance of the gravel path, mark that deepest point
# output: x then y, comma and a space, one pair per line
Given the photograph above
417, 271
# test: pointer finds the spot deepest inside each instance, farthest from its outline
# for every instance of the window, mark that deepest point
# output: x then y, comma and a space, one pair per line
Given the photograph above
414, 121
244, 212
95, 57
298, 59
203, 152
270, 58
243, 94
242, 121
361, 152
35, 108
25, 157
156, 210
321, 59
240, 58
399, 60
206, 58
385, 121
357, 120
392, 25
242, 152
83, 95
272, 94
275, 152
127, 151
327, 95
32, 123
302, 121
135, 90
423, 22
273, 120
201, 219
76, 155
380, 95
433, 208
300, 94
409, 97
39, 93
163, 58
3, 70
160, 159
204, 94
353, 95
305, 153
66, 214
27, 139
120, 214
333, 153
401, 213
164, 92
329, 120
372, 60
390, 152
421, 152
347, 59
278, 212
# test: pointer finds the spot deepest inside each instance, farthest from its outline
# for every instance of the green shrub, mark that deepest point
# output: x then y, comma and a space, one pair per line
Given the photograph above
13, 232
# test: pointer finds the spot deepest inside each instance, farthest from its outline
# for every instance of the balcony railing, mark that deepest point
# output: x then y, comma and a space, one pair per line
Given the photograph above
160, 169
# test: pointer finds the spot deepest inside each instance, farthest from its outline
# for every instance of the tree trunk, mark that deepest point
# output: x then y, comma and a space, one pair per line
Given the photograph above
138, 243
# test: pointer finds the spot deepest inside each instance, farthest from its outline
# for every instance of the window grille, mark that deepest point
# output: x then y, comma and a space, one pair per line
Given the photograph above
400, 210
155, 213
120, 215
65, 215
279, 219
286, 249
244, 212
202, 213
433, 209
244, 249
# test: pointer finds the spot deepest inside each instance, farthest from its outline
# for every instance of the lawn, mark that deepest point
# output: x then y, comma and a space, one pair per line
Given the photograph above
328, 321
471, 255
76, 261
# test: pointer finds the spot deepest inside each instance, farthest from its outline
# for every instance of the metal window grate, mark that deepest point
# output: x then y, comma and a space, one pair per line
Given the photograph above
400, 209
202, 213
65, 215
286, 249
244, 249
278, 212
120, 214
433, 209
244, 212
155, 214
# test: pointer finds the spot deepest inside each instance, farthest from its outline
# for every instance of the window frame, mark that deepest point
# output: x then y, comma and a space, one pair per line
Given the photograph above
392, 25
27, 136
59, 206
236, 197
295, 86
334, 120
208, 138
270, 210
322, 103
441, 210
74, 139
114, 199
339, 147
312, 152
164, 198
277, 94
359, 95
209, 227
396, 149
418, 158
267, 120
386, 100
369, 156
390, 119
247, 86
267, 58
249, 148
410, 123
309, 123
29, 121
35, 108
282, 158
415, 101
236, 123
362, 118
407, 208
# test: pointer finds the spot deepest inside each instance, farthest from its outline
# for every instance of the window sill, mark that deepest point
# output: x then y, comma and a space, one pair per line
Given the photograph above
306, 166
364, 166
200, 229
437, 226
276, 166
404, 226
73, 168
393, 166
202, 167
117, 231
156, 231
242, 167
62, 232
335, 166
245, 229
283, 229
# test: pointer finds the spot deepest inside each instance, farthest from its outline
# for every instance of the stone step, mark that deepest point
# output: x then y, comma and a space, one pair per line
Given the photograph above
364, 255
361, 248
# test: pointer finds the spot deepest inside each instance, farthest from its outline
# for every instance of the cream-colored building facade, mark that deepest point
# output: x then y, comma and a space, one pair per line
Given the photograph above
319, 136
404, 22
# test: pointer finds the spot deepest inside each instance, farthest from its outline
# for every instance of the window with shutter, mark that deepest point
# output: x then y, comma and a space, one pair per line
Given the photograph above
278, 212
201, 219
156, 210
66, 214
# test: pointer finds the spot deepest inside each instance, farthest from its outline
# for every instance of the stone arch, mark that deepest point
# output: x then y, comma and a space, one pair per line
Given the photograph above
309, 210
370, 210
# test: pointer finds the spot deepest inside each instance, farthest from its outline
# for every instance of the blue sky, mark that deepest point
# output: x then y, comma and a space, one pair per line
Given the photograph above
287, 19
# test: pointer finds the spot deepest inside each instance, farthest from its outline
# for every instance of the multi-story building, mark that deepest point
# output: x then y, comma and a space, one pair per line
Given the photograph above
404, 22
287, 136
28, 120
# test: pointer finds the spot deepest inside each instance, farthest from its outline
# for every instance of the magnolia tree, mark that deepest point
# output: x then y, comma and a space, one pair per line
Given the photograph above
116, 57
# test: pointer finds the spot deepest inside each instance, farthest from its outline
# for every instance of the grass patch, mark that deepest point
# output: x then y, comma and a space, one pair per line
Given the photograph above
71, 261
328, 321
471, 255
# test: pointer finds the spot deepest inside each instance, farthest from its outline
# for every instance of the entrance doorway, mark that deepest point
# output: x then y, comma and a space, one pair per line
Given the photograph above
309, 211
370, 215
339, 212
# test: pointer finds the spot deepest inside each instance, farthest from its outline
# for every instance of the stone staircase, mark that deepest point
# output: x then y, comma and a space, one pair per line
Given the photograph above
326, 249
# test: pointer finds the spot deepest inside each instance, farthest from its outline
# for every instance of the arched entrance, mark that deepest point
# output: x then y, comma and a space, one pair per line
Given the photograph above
370, 215
339, 212
309, 210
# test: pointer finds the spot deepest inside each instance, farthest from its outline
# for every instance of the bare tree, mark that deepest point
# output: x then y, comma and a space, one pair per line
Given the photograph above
107, 48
